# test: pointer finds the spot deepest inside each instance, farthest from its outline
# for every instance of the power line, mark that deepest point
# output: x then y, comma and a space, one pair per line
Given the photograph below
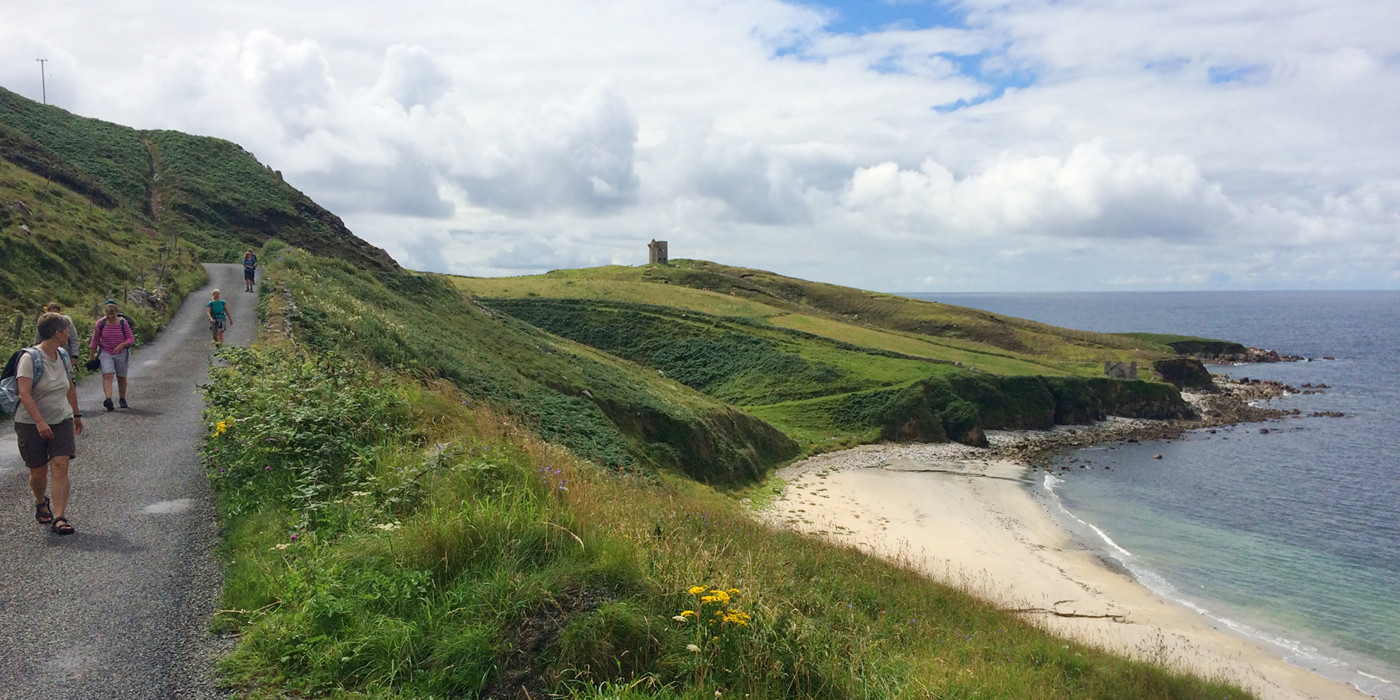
43, 81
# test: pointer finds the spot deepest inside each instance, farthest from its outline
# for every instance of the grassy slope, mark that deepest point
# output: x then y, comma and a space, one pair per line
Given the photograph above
207, 191
91, 209
608, 410
78, 254
833, 366
990, 342
450, 554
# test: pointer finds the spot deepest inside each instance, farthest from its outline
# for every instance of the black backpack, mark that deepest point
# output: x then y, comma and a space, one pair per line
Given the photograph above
121, 318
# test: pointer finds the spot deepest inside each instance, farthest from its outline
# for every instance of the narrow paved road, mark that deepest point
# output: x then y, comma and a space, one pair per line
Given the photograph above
121, 609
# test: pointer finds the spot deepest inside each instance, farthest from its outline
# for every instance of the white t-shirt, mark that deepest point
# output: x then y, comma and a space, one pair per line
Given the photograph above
50, 394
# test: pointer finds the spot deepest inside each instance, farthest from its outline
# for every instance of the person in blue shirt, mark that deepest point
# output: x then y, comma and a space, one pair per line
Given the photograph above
250, 268
219, 317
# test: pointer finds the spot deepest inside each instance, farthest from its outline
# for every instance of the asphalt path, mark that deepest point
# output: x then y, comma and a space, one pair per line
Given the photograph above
121, 609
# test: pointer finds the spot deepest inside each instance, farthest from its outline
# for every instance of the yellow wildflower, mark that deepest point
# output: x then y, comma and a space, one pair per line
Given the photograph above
734, 592
220, 428
697, 590
688, 613
737, 618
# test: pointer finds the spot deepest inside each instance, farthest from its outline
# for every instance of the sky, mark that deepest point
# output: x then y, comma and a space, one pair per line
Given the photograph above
897, 145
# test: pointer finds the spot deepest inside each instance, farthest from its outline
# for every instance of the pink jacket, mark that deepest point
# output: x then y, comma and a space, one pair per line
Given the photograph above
108, 336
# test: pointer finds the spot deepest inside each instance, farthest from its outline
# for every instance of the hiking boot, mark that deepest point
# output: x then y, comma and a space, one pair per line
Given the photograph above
122, 403
107, 404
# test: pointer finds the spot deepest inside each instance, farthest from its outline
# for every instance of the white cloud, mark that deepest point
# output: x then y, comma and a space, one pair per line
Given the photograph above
1215, 143
1088, 194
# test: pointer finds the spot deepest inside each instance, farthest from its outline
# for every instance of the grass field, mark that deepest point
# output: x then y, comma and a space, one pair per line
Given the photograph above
833, 366
990, 342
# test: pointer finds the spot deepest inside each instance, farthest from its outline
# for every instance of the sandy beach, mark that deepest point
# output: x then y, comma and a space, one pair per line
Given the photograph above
971, 521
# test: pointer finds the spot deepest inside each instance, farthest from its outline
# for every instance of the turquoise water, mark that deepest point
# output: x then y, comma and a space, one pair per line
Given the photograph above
1292, 537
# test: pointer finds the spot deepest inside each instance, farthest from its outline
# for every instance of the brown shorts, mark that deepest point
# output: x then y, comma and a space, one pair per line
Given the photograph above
37, 451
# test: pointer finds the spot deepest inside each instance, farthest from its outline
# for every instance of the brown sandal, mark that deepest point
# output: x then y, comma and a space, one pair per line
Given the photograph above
43, 512
62, 526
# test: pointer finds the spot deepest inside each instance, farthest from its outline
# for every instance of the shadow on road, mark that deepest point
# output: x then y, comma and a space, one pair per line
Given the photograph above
94, 542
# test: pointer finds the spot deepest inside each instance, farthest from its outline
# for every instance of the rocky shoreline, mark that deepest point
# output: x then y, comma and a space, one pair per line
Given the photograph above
1250, 356
1233, 401
1227, 401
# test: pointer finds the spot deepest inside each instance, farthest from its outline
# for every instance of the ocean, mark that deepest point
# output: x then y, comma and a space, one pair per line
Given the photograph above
1290, 536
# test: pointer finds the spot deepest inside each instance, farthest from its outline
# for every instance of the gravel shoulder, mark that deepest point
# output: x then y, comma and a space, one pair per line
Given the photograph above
121, 609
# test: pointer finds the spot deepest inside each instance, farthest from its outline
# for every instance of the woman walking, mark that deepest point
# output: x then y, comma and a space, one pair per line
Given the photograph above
111, 344
217, 311
47, 420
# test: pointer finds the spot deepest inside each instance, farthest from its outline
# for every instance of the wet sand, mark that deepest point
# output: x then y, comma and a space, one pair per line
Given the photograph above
972, 522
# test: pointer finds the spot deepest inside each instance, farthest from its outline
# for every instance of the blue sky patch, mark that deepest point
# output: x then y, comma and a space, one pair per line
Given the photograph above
864, 17
997, 81
857, 17
1247, 74
1168, 65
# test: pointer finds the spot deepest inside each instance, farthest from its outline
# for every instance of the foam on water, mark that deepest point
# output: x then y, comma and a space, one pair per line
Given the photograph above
1293, 651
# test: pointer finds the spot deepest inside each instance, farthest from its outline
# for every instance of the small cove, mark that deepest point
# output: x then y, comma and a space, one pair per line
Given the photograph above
1288, 536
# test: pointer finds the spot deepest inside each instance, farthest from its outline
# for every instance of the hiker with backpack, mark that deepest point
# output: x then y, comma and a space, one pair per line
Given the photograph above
75, 343
112, 339
217, 311
250, 267
47, 420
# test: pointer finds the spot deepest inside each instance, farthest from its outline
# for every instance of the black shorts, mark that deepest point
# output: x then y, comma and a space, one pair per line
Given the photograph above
247, 274
37, 451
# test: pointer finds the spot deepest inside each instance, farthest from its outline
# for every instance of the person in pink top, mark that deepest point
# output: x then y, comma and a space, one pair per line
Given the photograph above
111, 343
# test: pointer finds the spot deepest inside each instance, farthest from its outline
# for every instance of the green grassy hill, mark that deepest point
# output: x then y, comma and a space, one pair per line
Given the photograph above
835, 366
991, 342
206, 192
91, 210
619, 415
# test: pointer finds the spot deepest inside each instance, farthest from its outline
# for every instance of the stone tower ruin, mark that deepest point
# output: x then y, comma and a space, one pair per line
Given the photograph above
657, 252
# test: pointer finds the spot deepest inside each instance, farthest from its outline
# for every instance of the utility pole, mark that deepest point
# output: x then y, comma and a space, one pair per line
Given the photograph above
43, 81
